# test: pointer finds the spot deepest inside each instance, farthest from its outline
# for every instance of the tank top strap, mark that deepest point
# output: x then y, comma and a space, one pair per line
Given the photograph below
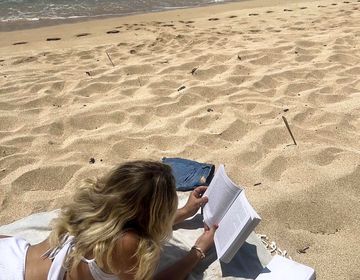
96, 272
58, 255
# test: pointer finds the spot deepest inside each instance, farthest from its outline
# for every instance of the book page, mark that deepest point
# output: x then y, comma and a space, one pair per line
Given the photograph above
221, 193
237, 224
232, 224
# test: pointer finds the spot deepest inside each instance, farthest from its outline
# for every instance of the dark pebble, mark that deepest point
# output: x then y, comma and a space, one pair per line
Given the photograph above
53, 39
181, 88
112, 31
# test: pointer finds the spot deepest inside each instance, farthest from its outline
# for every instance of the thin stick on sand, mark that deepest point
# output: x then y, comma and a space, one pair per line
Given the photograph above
110, 59
288, 127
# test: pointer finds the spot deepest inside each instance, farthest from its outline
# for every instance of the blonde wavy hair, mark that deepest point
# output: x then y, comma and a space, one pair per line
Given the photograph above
138, 195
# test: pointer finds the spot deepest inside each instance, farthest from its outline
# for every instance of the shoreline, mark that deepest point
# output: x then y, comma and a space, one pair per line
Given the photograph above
203, 10
37, 36
22, 24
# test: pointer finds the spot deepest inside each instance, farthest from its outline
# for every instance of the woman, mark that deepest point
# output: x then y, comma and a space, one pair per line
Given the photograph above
112, 229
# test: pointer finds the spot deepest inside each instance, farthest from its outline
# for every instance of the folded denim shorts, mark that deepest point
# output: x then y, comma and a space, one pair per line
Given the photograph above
190, 174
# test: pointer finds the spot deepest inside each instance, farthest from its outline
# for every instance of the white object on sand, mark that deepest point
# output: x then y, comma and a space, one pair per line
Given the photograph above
281, 268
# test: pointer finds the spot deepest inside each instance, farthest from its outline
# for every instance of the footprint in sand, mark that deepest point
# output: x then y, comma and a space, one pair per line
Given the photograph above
82, 34
276, 168
269, 12
112, 31
321, 6
287, 10
326, 156
24, 60
334, 4
45, 177
213, 19
53, 39
303, 8
186, 22
232, 16
252, 14
20, 43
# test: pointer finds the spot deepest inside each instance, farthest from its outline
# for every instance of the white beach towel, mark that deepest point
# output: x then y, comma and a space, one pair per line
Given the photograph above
247, 263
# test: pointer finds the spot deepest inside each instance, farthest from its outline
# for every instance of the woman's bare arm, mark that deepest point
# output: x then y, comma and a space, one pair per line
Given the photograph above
180, 269
183, 267
126, 259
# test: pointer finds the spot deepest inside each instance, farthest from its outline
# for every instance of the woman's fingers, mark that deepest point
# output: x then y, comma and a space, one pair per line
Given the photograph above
203, 201
206, 227
211, 229
200, 190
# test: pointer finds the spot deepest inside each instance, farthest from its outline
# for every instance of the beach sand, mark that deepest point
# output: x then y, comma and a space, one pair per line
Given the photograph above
209, 84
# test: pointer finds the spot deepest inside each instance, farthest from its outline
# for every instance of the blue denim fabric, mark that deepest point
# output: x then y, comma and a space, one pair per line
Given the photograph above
189, 174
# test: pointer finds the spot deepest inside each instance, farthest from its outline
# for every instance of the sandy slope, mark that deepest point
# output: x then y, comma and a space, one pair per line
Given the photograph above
211, 88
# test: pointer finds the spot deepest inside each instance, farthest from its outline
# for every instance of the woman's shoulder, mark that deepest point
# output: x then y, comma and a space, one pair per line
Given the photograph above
129, 235
128, 243
124, 254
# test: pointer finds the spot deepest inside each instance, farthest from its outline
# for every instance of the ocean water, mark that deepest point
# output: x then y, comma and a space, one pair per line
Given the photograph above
37, 10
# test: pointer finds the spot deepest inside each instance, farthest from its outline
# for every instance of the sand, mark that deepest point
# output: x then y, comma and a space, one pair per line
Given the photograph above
210, 84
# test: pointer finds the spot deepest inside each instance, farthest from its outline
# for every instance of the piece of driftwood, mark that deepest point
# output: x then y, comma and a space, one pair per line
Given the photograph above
110, 59
288, 127
181, 88
194, 70
303, 250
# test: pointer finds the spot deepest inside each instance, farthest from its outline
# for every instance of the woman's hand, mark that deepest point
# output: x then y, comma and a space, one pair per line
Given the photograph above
195, 201
181, 269
206, 240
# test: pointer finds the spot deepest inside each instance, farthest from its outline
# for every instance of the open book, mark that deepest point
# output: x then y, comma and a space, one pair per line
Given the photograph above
228, 208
